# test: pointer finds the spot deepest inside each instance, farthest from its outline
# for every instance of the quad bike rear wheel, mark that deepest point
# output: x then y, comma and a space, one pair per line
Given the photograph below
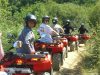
63, 55
56, 61
66, 51
76, 45
72, 46
82, 41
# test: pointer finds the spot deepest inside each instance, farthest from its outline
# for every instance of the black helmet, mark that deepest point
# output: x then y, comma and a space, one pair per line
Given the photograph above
30, 17
82, 24
45, 17
55, 20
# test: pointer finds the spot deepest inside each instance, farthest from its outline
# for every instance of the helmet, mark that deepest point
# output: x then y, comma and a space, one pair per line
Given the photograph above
82, 24
45, 17
30, 17
68, 22
55, 20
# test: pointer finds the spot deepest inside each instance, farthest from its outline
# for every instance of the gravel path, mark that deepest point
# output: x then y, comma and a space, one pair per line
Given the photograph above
72, 63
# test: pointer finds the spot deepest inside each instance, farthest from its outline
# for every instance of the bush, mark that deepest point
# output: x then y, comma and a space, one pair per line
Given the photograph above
95, 15
14, 23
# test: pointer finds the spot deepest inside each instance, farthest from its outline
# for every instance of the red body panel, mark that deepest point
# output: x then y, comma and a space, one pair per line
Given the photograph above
42, 66
72, 37
56, 48
85, 36
38, 66
64, 41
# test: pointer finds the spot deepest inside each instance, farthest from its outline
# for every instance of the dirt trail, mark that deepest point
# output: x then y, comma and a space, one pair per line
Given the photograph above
72, 63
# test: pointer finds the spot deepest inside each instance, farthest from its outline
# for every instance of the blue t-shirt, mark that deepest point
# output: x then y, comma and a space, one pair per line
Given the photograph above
27, 38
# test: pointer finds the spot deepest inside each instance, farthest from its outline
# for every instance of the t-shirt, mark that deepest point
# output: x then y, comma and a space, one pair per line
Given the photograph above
68, 29
57, 28
45, 32
27, 38
82, 30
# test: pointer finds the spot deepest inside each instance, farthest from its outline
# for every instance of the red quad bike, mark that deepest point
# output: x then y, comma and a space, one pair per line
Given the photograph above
28, 64
72, 41
65, 43
57, 50
83, 38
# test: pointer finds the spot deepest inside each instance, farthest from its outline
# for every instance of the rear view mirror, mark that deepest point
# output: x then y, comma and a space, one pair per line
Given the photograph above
11, 37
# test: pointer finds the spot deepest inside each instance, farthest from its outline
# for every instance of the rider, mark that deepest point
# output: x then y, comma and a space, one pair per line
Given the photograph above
46, 31
56, 26
1, 48
82, 29
1, 56
27, 36
67, 27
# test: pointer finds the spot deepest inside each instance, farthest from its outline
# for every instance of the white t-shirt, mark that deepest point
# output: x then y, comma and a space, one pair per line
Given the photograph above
45, 28
45, 32
57, 28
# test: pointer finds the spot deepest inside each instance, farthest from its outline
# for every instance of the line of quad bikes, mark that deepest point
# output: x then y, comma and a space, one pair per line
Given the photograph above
49, 57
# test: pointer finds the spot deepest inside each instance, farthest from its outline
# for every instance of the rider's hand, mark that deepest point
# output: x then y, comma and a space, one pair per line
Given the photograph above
33, 52
58, 41
1, 68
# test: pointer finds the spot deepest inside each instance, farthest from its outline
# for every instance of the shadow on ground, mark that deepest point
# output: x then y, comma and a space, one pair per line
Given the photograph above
66, 71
